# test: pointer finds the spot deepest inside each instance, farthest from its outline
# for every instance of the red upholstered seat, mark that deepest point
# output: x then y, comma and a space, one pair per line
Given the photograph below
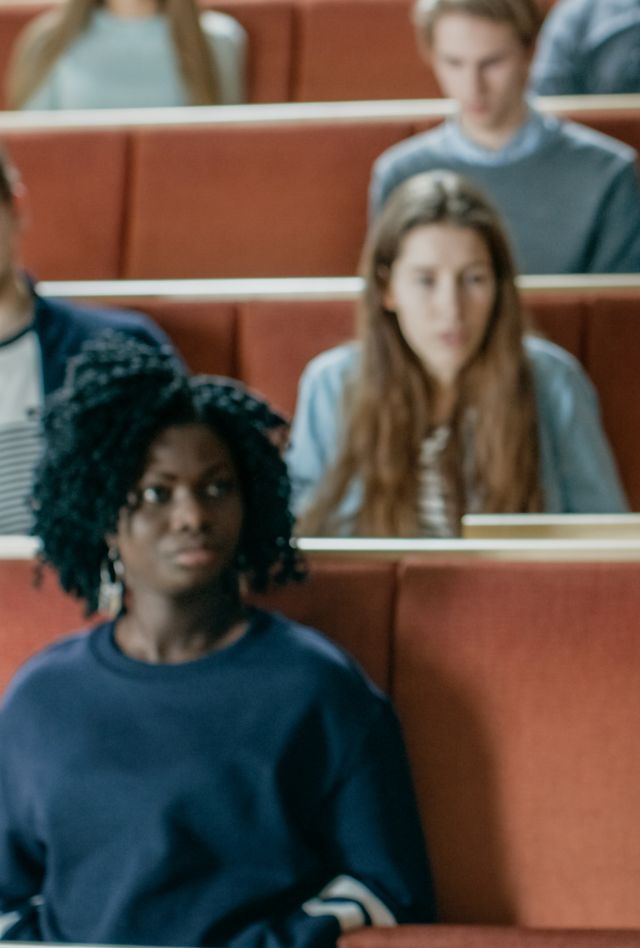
481, 936
76, 201
269, 25
203, 331
612, 359
358, 49
560, 317
277, 339
249, 201
517, 686
31, 618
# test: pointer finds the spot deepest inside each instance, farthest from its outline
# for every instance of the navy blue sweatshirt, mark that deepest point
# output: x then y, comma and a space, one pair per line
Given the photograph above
258, 796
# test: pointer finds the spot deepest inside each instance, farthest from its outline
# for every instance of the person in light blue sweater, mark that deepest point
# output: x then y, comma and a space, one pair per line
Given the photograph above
128, 53
588, 47
569, 196
444, 406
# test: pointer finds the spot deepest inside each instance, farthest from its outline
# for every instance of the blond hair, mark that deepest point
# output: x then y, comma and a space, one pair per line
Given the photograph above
388, 405
525, 16
48, 36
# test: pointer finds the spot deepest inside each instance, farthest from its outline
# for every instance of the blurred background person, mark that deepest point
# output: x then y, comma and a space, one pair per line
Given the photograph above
443, 406
37, 338
88, 54
588, 47
569, 196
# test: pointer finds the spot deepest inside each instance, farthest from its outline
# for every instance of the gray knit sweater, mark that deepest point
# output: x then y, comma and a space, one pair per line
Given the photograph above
569, 196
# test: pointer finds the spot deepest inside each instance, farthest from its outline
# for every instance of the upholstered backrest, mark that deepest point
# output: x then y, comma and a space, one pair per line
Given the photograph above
517, 687
277, 339
75, 203
31, 617
612, 358
298, 207
487, 936
358, 49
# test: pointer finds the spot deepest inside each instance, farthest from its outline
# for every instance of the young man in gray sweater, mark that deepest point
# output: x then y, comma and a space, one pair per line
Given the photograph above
569, 196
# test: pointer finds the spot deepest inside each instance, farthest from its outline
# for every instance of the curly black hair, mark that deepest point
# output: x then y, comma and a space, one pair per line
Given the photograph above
119, 393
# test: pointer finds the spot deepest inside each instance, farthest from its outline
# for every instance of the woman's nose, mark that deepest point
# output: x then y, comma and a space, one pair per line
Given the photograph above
449, 300
188, 511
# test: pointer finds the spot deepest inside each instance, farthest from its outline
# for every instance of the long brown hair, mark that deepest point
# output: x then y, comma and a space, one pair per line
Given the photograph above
44, 41
388, 403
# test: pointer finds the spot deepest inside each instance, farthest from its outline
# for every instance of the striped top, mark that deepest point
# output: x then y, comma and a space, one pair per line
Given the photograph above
21, 397
437, 515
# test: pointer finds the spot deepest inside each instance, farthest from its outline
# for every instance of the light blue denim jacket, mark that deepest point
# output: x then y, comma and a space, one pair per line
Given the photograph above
577, 467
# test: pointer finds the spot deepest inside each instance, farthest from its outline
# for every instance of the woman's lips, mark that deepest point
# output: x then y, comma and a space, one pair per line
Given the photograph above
453, 339
196, 556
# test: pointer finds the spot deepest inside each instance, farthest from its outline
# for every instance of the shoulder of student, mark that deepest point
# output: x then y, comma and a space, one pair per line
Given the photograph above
557, 373
588, 143
221, 26
331, 367
418, 148
89, 320
329, 675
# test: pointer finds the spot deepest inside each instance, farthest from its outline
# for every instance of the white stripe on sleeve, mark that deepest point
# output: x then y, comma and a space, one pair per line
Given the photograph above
353, 897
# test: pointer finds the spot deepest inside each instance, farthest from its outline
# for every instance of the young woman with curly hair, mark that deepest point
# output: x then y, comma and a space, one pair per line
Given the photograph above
444, 405
90, 54
193, 771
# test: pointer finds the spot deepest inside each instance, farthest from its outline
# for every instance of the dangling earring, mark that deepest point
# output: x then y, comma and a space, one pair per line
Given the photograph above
111, 593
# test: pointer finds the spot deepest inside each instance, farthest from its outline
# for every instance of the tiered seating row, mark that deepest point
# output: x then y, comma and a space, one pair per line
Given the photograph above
122, 195
516, 684
267, 341
302, 50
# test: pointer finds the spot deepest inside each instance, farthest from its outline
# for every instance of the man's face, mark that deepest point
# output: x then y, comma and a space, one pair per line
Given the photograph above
484, 66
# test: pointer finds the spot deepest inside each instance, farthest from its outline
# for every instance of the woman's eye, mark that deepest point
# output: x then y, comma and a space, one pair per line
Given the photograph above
155, 494
476, 279
216, 489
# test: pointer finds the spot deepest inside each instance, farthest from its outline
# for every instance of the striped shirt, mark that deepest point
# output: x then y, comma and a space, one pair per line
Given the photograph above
437, 514
20, 403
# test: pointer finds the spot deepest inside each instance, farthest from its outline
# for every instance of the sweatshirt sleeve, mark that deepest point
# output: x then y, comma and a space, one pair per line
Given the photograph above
372, 836
20, 872
616, 246
575, 451
317, 424
558, 67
